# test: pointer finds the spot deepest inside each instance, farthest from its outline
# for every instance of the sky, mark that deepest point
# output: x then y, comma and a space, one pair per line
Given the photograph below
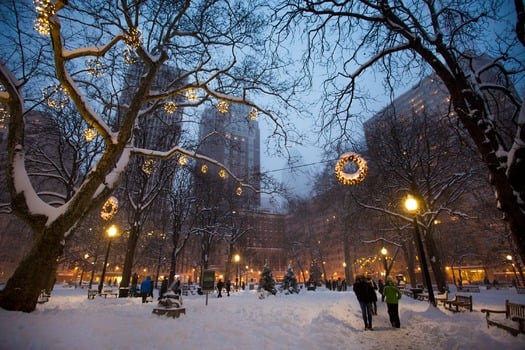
318, 319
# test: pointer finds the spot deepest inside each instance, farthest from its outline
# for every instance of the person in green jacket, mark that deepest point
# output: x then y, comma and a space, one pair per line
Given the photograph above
392, 296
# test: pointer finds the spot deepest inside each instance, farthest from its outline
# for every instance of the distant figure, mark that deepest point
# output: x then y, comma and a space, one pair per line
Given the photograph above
145, 287
365, 295
392, 296
374, 301
228, 287
134, 282
220, 285
380, 287
163, 287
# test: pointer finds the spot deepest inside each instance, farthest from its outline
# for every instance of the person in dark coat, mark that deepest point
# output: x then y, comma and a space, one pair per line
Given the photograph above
220, 285
380, 286
145, 287
365, 295
163, 287
374, 285
134, 282
228, 287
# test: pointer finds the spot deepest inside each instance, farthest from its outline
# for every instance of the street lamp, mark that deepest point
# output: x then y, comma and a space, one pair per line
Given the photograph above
112, 232
412, 206
509, 259
237, 258
384, 252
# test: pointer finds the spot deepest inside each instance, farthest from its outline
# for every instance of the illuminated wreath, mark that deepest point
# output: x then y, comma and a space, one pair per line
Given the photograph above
354, 178
109, 209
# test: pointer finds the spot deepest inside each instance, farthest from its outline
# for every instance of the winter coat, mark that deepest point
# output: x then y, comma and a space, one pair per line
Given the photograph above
364, 291
391, 293
220, 285
145, 285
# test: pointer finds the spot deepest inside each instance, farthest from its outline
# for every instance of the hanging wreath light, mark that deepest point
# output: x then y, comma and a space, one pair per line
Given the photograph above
351, 178
95, 67
56, 96
191, 95
170, 107
223, 106
254, 114
149, 166
90, 134
109, 209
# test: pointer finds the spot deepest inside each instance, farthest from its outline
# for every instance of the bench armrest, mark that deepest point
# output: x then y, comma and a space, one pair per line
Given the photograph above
488, 311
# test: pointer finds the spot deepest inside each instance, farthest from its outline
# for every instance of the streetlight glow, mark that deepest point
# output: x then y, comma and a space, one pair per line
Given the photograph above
411, 204
384, 251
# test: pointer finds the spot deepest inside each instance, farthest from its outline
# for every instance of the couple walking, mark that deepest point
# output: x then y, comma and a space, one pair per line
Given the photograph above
366, 296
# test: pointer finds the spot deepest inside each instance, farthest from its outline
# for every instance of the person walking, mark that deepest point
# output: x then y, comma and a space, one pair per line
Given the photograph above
392, 296
380, 287
374, 286
145, 288
365, 295
163, 287
228, 287
220, 285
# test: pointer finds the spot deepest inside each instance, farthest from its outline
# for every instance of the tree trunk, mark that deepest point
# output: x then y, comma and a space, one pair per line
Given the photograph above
130, 254
33, 274
435, 262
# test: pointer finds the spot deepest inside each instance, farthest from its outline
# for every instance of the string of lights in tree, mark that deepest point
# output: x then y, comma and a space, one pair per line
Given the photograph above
223, 106
351, 178
89, 134
45, 9
56, 96
95, 67
109, 209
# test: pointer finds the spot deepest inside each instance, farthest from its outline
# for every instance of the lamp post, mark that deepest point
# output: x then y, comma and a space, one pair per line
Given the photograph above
237, 258
412, 205
112, 232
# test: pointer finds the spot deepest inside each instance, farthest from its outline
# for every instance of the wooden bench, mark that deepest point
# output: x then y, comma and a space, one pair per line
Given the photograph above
173, 312
514, 312
43, 297
109, 292
92, 293
520, 290
469, 289
459, 301
408, 292
441, 297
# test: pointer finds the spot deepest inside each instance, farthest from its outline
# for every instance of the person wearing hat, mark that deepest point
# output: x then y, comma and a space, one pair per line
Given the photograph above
365, 295
392, 296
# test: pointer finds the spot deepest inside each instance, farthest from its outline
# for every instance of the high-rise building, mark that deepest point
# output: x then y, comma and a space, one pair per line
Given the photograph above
233, 139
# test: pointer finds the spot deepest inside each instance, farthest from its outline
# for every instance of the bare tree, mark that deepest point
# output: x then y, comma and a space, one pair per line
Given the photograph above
215, 45
404, 39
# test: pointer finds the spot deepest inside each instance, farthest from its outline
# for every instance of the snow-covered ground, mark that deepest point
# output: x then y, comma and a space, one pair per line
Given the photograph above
310, 320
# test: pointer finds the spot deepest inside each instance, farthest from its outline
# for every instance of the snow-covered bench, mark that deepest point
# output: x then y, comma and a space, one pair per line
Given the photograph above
459, 301
514, 312
43, 297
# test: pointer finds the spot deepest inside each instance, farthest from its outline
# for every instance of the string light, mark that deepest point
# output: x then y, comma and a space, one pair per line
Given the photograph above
351, 178
109, 209
204, 169
238, 191
130, 57
170, 107
133, 38
254, 114
90, 134
183, 160
222, 174
223, 106
4, 115
45, 9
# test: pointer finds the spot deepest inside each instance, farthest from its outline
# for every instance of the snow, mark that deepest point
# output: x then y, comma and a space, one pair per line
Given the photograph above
320, 319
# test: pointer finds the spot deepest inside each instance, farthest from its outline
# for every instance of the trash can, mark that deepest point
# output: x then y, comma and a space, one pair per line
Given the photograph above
123, 292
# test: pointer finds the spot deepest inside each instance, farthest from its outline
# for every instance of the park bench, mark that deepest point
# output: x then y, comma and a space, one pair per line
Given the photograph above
170, 305
514, 312
43, 297
469, 289
109, 292
92, 293
174, 313
462, 301
438, 297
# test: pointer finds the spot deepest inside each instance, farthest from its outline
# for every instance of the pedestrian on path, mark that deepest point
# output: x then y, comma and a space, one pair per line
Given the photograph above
365, 295
392, 296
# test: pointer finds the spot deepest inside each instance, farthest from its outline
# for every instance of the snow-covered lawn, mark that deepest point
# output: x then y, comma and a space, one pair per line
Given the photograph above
310, 320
